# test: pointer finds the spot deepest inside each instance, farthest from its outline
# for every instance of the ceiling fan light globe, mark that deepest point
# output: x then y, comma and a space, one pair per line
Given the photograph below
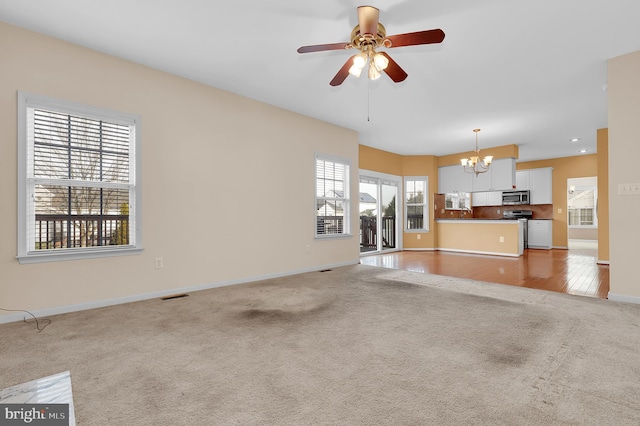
355, 71
360, 60
374, 74
380, 61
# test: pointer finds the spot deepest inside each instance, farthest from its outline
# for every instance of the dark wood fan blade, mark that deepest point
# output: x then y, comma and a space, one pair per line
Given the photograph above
419, 37
342, 75
323, 47
368, 17
393, 70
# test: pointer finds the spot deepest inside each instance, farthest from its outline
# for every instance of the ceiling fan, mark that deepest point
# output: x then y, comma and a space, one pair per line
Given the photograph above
367, 36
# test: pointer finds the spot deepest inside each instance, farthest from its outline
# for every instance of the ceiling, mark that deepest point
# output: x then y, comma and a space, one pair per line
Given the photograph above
528, 73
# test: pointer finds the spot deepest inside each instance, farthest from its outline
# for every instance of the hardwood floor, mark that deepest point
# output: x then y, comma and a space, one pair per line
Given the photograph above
572, 271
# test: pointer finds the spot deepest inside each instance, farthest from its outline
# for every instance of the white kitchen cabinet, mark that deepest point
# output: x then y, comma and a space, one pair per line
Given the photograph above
540, 186
491, 198
540, 233
503, 174
500, 176
452, 179
522, 180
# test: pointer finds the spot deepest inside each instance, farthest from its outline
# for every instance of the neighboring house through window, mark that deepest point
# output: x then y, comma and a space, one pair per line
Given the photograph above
78, 186
416, 203
333, 204
581, 207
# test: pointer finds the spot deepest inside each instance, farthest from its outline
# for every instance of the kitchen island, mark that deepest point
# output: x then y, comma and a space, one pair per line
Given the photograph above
481, 236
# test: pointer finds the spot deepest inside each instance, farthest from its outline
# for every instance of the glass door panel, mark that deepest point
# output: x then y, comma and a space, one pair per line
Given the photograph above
368, 215
388, 224
378, 214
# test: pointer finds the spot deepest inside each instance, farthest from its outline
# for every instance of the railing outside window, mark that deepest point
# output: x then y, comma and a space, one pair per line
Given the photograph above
59, 231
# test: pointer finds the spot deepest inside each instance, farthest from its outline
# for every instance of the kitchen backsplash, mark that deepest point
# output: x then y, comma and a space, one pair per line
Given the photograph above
540, 211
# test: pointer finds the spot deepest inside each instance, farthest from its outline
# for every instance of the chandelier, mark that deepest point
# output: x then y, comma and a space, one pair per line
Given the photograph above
473, 164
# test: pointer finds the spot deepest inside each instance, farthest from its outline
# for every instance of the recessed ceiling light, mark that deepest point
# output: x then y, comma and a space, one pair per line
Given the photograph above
574, 140
582, 151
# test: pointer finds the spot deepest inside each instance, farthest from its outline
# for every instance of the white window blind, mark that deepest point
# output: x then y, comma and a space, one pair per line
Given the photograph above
78, 180
333, 202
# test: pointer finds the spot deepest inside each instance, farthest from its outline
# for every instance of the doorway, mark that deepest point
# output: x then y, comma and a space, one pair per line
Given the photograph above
379, 209
582, 213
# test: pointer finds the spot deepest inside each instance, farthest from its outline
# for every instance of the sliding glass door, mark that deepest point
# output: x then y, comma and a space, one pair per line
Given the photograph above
379, 218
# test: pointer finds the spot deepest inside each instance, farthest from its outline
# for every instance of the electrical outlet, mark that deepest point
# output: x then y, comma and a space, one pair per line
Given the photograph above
498, 211
559, 211
501, 239
418, 236
159, 263
307, 248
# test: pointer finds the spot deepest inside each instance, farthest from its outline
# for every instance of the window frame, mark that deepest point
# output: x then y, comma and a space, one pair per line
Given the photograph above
594, 209
424, 204
346, 199
27, 101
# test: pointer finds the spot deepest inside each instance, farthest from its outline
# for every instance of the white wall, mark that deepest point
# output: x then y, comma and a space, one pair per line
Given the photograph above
624, 150
208, 157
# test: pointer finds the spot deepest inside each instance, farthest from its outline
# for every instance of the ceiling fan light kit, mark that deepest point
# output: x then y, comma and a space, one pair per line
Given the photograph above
368, 36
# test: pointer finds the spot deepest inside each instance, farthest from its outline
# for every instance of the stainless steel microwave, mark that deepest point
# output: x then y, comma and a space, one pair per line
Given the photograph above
514, 198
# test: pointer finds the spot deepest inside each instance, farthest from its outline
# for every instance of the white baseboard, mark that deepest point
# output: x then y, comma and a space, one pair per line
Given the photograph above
419, 249
603, 262
19, 316
560, 247
622, 298
489, 253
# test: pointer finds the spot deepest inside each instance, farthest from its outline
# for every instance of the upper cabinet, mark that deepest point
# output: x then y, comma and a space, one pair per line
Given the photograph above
500, 177
453, 179
522, 180
538, 182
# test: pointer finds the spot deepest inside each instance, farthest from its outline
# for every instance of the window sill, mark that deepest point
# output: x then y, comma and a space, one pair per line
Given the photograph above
333, 236
76, 254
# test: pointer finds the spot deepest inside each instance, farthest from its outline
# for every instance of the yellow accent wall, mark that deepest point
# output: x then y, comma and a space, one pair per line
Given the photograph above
505, 151
563, 169
486, 237
379, 161
415, 165
603, 195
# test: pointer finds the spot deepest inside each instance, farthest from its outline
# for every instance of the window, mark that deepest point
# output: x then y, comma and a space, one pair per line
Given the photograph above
416, 190
457, 201
581, 207
333, 204
78, 193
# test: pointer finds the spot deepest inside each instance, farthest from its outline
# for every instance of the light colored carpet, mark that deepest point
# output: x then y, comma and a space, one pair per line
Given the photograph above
356, 345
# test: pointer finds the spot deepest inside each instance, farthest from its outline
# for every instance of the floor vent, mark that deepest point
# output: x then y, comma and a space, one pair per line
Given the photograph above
175, 296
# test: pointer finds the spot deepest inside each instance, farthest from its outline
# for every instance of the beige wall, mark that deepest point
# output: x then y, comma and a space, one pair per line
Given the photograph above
563, 169
227, 182
624, 151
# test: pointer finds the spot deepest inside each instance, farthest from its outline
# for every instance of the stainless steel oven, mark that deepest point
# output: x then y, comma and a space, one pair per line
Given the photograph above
523, 216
